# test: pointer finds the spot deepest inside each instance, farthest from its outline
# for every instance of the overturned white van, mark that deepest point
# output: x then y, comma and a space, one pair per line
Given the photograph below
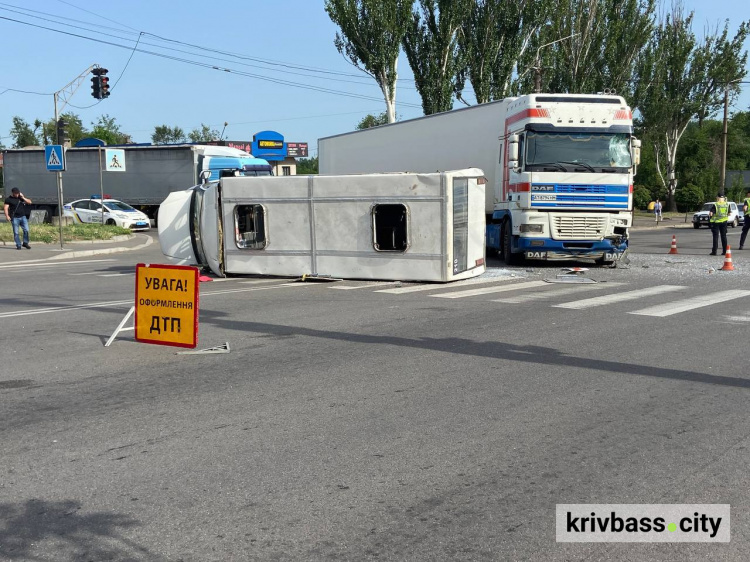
402, 226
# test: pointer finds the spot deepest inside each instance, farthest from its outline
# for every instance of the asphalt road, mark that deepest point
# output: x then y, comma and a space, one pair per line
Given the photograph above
347, 423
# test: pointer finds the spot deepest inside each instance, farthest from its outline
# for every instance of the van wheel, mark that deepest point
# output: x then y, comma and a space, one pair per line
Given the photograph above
506, 247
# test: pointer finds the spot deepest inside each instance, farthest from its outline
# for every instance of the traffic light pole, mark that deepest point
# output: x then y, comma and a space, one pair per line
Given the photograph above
59, 181
63, 94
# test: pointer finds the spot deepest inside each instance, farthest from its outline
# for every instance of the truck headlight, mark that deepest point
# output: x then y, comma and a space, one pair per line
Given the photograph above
531, 228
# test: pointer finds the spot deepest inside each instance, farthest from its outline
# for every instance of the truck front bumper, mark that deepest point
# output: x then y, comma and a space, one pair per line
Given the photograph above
546, 249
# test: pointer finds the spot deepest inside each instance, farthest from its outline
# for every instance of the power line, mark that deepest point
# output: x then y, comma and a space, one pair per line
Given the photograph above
212, 66
270, 65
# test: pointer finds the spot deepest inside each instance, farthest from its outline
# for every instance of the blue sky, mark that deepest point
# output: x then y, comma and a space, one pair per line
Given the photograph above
260, 41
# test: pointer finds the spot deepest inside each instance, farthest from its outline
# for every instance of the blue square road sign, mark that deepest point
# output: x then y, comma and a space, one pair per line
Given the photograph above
54, 156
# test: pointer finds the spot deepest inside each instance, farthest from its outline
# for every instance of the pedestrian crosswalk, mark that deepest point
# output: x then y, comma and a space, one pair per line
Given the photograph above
656, 301
521, 291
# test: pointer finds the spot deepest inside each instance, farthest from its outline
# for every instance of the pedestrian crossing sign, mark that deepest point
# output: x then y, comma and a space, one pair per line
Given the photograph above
114, 159
54, 156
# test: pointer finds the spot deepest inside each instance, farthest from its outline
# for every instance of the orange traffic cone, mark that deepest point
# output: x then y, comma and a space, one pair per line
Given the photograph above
728, 266
673, 249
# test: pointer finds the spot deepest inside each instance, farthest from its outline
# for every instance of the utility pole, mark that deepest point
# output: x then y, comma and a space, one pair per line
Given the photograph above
723, 171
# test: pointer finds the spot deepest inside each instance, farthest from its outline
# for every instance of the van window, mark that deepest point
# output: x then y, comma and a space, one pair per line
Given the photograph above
390, 228
250, 227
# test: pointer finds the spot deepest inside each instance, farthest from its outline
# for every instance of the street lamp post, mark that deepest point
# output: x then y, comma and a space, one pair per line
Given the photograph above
538, 63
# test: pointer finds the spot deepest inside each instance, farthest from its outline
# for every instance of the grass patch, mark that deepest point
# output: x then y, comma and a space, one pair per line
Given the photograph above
49, 234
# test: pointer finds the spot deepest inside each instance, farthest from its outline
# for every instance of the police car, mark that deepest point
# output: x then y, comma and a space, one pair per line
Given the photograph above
701, 217
89, 211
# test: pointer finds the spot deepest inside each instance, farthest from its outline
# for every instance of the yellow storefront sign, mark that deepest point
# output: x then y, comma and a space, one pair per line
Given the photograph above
166, 305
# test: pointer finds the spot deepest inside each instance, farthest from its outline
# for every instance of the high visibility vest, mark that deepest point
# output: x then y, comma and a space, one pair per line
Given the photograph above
747, 202
722, 213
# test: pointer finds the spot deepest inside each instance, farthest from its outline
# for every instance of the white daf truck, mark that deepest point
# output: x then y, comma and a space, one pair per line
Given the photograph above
559, 168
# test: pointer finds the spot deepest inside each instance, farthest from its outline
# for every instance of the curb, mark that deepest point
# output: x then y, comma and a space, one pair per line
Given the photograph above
85, 253
119, 238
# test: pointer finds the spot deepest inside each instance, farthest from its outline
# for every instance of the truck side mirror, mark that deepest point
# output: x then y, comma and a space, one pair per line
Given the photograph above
205, 176
513, 151
636, 144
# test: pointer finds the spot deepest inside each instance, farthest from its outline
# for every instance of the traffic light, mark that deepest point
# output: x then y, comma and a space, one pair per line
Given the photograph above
100, 83
61, 124
96, 87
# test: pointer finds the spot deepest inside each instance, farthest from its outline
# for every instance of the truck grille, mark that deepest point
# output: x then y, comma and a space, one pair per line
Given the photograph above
578, 227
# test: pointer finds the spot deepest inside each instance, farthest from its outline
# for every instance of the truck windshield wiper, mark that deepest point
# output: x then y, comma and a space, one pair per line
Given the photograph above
557, 165
582, 164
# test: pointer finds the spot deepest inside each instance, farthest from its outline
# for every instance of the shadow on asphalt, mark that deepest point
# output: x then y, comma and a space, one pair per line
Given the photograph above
490, 349
36, 528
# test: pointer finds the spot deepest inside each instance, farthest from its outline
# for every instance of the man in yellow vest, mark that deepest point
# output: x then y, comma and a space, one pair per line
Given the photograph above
746, 224
718, 217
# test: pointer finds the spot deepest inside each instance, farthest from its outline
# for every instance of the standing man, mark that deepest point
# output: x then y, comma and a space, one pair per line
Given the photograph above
745, 224
15, 211
657, 211
718, 216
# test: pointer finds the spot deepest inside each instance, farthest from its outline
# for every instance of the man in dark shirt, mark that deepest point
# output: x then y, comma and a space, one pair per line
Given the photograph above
15, 211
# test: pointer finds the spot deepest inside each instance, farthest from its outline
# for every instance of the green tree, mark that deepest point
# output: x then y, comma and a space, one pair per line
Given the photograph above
371, 35
307, 166
590, 45
372, 121
680, 79
204, 134
23, 134
107, 129
495, 35
690, 198
641, 197
164, 134
432, 48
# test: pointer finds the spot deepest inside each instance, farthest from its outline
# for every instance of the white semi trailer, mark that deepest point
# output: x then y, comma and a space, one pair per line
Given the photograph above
559, 168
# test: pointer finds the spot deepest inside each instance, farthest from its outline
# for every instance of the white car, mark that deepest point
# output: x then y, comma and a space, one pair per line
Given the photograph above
701, 217
89, 211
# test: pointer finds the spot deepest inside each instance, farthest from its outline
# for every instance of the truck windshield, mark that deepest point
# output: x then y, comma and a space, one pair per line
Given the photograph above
579, 152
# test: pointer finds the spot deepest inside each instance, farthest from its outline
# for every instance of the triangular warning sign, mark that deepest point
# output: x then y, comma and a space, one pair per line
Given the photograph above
53, 159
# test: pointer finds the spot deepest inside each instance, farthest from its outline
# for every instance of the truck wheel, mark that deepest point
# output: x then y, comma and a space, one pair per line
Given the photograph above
505, 245
696, 225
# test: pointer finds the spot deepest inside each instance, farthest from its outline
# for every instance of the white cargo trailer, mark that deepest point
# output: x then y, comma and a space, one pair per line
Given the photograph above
559, 168
409, 227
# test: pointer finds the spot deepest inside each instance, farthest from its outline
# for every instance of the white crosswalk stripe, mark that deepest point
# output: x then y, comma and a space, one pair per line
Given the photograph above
489, 290
676, 307
436, 287
619, 297
553, 293
365, 286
